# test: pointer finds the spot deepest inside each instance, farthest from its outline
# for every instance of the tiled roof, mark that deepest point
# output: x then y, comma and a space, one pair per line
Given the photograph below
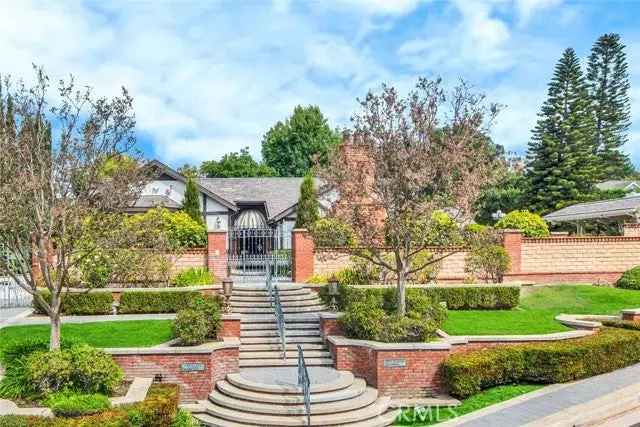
279, 194
626, 206
615, 184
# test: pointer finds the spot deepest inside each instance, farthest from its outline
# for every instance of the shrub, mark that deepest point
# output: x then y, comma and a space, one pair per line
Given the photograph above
85, 303
184, 419
190, 326
66, 404
561, 361
181, 230
531, 224
140, 302
140, 266
209, 306
94, 371
194, 276
50, 371
630, 279
317, 279
455, 298
372, 317
332, 233
490, 262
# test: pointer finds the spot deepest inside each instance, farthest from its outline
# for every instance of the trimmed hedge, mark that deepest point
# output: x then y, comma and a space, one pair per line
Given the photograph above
159, 408
86, 303
623, 324
546, 363
456, 298
156, 302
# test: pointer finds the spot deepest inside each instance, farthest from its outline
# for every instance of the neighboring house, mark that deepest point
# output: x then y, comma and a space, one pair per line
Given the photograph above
620, 211
630, 186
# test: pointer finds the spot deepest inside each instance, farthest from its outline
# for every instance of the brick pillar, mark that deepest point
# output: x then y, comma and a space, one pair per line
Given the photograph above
217, 253
631, 229
512, 241
302, 254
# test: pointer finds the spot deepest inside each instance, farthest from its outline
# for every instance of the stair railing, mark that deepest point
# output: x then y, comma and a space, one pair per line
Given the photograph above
304, 383
282, 329
269, 284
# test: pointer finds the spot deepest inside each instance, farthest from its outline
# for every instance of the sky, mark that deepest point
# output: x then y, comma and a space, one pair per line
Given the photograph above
211, 77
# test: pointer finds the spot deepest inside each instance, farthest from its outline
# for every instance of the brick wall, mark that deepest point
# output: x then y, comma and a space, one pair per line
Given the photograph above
328, 261
302, 259
192, 258
554, 259
217, 253
168, 365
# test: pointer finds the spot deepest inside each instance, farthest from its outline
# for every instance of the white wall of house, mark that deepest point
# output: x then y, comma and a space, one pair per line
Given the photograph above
172, 189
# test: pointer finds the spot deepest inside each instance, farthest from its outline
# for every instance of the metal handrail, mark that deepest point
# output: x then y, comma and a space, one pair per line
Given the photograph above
304, 383
282, 329
270, 286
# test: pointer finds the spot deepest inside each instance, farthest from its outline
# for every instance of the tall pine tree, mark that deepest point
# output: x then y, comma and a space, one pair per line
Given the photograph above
191, 201
307, 212
608, 83
561, 164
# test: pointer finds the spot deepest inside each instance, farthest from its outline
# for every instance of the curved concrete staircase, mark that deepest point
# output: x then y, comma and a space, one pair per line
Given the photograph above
344, 401
265, 393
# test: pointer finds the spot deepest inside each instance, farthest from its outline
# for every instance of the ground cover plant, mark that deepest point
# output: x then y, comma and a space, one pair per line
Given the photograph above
430, 416
196, 276
537, 309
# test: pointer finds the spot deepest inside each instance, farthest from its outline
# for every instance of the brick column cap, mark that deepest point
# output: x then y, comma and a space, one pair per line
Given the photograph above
299, 230
217, 232
511, 231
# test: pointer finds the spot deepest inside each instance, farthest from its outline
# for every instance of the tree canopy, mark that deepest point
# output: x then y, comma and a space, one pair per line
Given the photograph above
292, 147
236, 165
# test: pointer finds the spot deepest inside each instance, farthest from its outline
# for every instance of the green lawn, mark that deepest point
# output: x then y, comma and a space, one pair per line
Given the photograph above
537, 309
134, 333
481, 400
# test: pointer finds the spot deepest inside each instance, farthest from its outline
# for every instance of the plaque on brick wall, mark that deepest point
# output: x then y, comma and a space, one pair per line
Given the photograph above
192, 367
395, 363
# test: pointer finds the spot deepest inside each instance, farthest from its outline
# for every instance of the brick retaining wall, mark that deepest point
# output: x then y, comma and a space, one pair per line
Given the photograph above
167, 364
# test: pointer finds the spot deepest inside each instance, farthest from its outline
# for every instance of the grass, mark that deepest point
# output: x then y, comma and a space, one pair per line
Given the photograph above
538, 308
134, 333
426, 417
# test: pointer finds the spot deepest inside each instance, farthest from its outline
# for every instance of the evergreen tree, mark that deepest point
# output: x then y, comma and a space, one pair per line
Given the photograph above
191, 201
561, 164
608, 83
308, 209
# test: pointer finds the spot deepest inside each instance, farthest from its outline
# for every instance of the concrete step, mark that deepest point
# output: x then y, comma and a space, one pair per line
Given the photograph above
266, 304
383, 420
276, 347
288, 333
275, 340
248, 318
366, 413
263, 287
277, 354
274, 326
265, 294
368, 397
291, 361
354, 390
265, 298
285, 309
345, 379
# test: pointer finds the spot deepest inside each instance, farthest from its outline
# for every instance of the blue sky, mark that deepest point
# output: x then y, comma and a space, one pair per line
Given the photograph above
211, 77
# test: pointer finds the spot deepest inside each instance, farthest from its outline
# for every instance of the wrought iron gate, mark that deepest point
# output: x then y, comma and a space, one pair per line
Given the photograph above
254, 251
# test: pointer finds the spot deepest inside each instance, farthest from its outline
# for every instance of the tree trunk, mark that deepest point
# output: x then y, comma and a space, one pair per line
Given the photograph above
401, 291
54, 342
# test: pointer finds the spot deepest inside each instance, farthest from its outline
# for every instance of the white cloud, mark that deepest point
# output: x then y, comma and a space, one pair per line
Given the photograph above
377, 7
527, 8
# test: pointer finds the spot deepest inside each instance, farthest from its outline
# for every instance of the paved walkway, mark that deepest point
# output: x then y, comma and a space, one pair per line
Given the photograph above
557, 404
43, 320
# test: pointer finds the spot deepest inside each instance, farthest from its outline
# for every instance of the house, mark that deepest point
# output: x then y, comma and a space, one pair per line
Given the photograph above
630, 186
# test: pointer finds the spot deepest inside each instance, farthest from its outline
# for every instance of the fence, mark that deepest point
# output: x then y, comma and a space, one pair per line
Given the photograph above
12, 295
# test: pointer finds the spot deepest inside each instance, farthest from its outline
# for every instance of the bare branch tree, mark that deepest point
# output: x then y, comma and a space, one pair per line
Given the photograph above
407, 159
58, 203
